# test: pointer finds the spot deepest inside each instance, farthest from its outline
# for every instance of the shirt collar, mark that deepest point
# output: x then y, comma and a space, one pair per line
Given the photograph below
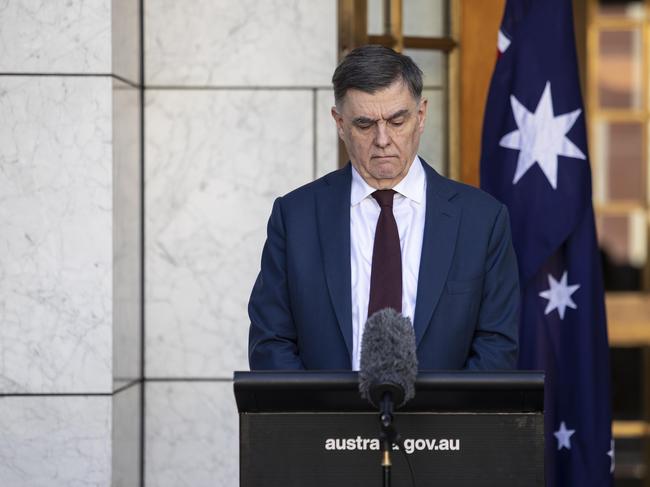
360, 189
412, 186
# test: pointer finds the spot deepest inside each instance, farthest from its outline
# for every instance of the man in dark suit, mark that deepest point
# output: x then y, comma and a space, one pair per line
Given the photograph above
384, 231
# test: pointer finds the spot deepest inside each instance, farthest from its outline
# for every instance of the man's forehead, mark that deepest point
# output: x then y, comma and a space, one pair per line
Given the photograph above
383, 102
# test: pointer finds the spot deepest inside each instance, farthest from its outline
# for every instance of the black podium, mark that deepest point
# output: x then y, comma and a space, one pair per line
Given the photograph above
311, 429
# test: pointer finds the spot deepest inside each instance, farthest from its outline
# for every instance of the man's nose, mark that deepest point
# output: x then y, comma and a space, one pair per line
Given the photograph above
382, 137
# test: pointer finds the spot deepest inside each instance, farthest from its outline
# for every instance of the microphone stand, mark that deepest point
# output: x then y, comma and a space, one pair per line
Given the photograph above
388, 436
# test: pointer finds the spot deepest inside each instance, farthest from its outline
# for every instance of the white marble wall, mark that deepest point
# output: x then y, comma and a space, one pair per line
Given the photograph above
55, 441
240, 43
127, 221
69, 247
236, 115
45, 36
125, 30
125, 438
231, 126
327, 140
56, 244
216, 159
192, 435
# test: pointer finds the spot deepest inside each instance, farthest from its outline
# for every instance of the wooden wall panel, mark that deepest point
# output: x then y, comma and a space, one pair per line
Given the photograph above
479, 25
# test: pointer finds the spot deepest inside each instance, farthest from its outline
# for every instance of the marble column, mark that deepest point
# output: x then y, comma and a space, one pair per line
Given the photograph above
70, 366
237, 114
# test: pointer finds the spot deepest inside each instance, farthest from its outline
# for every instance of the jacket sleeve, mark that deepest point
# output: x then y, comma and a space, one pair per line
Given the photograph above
272, 341
495, 342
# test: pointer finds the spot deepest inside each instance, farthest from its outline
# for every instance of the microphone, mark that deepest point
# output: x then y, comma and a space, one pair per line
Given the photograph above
387, 372
388, 365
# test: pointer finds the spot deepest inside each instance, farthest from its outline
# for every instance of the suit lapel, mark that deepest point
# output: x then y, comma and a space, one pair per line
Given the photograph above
333, 213
440, 232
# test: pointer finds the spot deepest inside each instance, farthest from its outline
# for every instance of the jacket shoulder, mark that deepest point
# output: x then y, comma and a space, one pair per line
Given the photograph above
306, 192
467, 195
468, 198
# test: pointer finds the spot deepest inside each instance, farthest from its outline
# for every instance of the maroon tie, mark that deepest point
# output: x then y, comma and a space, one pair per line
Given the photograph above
386, 273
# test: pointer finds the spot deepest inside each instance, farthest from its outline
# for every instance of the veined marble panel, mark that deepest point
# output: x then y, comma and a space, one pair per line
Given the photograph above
240, 42
192, 435
45, 36
126, 39
433, 142
126, 437
215, 161
55, 441
127, 238
56, 257
327, 140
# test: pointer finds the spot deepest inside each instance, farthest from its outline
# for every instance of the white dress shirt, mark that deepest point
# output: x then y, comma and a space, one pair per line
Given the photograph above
409, 208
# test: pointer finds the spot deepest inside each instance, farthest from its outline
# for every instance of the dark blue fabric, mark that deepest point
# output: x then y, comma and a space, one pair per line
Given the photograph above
553, 233
467, 300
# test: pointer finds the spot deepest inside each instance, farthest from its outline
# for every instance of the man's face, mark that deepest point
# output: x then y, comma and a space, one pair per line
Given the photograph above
381, 132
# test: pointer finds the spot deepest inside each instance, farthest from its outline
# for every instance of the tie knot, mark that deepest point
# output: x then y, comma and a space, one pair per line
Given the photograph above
384, 197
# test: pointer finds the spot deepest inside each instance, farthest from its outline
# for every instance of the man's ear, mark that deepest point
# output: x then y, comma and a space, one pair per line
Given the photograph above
338, 118
422, 113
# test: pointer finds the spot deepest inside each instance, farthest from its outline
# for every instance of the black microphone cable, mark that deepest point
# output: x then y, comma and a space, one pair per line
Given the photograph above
400, 444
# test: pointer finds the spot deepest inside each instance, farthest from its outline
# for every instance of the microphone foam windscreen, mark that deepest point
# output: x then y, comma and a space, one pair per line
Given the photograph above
388, 354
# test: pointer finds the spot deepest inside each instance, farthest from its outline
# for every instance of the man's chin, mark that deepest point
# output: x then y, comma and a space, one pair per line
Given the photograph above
386, 170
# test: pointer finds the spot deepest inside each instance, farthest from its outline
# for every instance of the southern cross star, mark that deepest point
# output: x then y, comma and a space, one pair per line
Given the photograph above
563, 436
541, 137
559, 295
610, 454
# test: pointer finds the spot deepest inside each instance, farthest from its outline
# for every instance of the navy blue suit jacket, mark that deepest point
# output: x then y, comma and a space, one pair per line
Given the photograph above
467, 305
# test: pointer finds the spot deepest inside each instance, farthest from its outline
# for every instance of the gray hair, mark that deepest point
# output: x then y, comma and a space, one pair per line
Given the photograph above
372, 68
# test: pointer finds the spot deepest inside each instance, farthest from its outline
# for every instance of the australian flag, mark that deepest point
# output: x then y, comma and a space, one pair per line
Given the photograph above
535, 160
